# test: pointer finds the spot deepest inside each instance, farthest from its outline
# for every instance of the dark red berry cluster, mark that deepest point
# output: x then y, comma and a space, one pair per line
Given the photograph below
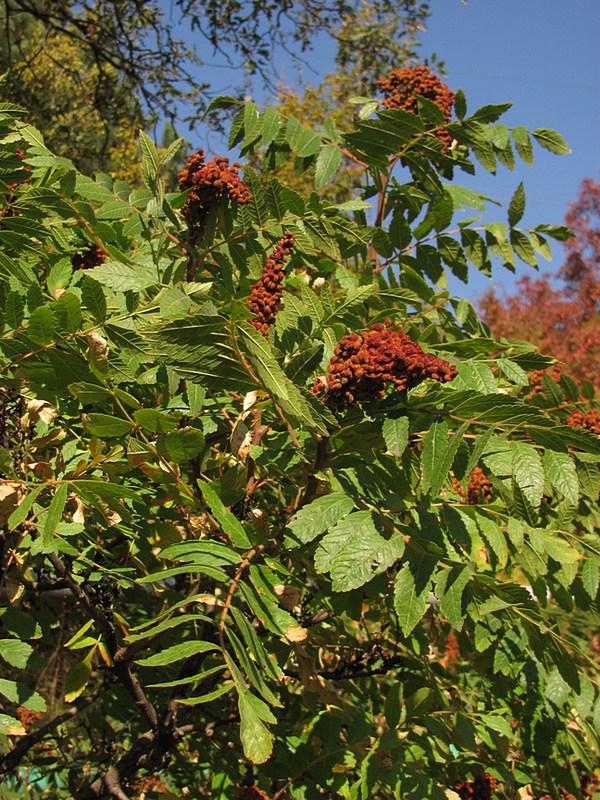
589, 784
90, 258
478, 491
481, 788
590, 420
210, 182
402, 87
364, 363
267, 291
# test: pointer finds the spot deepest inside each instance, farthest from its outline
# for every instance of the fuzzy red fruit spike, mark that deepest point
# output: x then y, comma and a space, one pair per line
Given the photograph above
402, 87
364, 364
209, 182
267, 292
590, 420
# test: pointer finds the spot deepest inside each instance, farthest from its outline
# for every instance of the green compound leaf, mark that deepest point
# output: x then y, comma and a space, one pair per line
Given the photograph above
92, 296
285, 393
15, 652
516, 208
412, 590
55, 511
528, 471
257, 740
551, 140
316, 517
22, 695
439, 450
176, 653
354, 551
230, 524
106, 425
328, 161
78, 678
450, 591
42, 325
395, 433
181, 446
562, 474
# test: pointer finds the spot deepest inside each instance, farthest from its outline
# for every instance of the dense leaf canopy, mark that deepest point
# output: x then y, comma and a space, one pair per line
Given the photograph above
229, 578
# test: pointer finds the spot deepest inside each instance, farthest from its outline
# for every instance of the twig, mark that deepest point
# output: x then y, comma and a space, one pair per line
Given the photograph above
14, 756
121, 669
312, 484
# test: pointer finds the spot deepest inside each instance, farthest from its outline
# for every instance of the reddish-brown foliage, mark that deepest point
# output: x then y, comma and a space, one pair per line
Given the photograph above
267, 291
402, 87
363, 363
563, 320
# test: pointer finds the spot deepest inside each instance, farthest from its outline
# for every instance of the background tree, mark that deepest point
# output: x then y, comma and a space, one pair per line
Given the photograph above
91, 74
561, 316
276, 521
368, 42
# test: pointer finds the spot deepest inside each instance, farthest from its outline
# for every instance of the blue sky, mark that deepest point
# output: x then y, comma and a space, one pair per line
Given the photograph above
541, 55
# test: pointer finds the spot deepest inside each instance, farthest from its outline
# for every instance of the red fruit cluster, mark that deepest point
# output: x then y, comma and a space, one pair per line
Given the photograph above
537, 376
590, 420
402, 87
267, 291
28, 718
90, 258
210, 182
451, 651
478, 491
482, 788
364, 363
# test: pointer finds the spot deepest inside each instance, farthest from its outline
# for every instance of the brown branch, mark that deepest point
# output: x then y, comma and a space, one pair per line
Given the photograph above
13, 758
312, 484
106, 627
234, 584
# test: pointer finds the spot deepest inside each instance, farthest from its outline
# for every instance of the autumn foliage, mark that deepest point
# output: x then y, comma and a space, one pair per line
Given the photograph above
561, 316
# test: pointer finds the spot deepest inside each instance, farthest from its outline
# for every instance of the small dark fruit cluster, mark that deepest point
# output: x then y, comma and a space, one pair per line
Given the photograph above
90, 258
481, 788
